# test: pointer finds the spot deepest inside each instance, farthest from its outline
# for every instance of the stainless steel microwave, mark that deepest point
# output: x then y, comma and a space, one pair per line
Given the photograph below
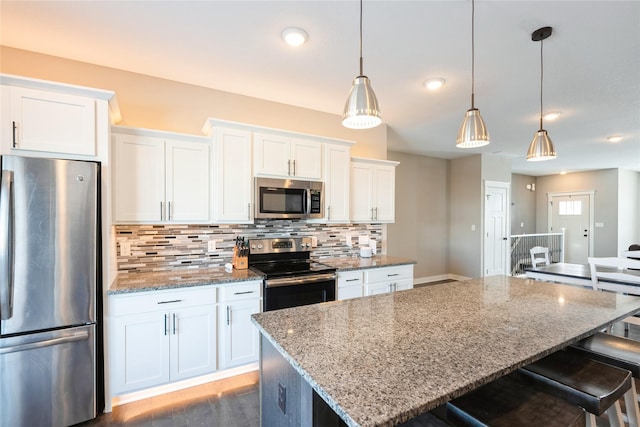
287, 198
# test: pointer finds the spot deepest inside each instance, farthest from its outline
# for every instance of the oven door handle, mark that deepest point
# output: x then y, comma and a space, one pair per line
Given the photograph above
304, 280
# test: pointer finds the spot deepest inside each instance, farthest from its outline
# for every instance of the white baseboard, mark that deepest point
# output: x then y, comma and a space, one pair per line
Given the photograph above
181, 385
437, 278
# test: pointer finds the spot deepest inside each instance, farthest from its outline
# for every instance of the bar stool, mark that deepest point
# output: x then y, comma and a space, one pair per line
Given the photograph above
616, 351
510, 401
594, 386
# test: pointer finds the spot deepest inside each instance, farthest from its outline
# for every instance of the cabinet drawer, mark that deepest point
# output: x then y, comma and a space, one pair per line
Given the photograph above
388, 273
162, 300
240, 291
348, 278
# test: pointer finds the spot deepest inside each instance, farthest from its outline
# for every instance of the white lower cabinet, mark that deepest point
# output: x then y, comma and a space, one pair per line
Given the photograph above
238, 337
388, 279
349, 284
162, 336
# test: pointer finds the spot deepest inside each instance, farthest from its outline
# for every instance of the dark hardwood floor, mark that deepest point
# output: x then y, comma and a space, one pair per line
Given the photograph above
231, 402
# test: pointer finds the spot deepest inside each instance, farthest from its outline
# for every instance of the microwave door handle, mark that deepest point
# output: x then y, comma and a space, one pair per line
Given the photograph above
307, 209
6, 247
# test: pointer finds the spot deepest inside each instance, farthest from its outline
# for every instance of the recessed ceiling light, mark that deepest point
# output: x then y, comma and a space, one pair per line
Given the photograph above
614, 138
552, 115
434, 83
294, 36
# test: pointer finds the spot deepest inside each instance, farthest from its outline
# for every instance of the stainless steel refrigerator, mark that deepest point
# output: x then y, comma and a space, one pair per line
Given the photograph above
48, 279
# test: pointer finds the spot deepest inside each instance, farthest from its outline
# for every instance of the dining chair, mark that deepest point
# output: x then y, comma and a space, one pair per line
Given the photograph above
616, 273
535, 259
618, 277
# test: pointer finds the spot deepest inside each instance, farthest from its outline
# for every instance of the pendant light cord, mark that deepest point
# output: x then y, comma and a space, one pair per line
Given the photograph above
361, 68
541, 78
473, 49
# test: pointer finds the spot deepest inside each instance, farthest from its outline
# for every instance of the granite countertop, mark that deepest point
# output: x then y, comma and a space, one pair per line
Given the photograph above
357, 263
139, 282
385, 359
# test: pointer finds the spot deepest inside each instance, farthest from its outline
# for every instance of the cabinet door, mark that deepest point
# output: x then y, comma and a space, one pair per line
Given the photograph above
239, 337
307, 159
336, 183
233, 176
193, 342
403, 285
384, 187
187, 181
377, 288
139, 178
49, 121
361, 192
272, 155
140, 351
351, 291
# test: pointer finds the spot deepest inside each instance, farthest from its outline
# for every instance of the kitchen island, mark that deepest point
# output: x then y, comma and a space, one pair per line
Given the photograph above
386, 359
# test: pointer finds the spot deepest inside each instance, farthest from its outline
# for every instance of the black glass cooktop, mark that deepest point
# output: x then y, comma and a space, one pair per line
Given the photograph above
286, 268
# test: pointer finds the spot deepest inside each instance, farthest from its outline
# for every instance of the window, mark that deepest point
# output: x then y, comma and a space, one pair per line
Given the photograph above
570, 207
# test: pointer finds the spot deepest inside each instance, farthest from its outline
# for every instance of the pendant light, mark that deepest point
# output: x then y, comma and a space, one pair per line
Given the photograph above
541, 147
473, 132
361, 109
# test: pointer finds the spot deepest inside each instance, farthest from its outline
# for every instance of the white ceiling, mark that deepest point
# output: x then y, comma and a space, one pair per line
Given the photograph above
591, 63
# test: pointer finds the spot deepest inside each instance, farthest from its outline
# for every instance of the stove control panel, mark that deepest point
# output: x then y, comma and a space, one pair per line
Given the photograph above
278, 245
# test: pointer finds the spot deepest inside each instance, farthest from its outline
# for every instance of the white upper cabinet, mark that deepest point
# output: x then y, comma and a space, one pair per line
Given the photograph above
372, 190
337, 159
232, 176
158, 179
40, 116
279, 155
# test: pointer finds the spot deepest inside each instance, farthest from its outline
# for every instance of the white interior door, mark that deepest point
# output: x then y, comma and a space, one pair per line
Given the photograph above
496, 233
571, 212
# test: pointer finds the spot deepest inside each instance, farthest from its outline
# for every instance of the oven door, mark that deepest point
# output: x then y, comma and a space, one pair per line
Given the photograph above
299, 290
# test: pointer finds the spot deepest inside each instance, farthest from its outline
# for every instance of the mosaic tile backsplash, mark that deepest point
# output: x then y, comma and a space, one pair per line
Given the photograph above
167, 247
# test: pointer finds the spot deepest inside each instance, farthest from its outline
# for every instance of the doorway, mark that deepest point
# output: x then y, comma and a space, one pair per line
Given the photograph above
573, 213
496, 231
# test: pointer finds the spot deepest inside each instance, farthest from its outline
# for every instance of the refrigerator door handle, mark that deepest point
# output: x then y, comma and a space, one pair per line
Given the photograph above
6, 247
46, 343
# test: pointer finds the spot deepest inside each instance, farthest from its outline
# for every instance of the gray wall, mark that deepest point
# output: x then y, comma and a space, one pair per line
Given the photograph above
628, 209
465, 207
523, 204
420, 231
605, 184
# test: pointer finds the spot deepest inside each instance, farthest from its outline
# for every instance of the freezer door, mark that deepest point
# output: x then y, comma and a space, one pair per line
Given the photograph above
48, 379
48, 221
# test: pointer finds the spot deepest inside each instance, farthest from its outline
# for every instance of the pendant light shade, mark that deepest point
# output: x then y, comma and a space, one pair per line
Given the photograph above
361, 110
541, 147
473, 132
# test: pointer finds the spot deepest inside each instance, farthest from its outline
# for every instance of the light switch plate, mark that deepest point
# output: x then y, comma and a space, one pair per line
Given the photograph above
211, 246
125, 249
363, 240
348, 241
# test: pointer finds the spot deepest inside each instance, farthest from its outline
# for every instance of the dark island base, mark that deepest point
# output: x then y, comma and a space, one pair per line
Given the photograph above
287, 400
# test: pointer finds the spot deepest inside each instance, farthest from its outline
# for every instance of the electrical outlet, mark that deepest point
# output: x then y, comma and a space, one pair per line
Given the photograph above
125, 249
282, 398
211, 246
363, 240
348, 241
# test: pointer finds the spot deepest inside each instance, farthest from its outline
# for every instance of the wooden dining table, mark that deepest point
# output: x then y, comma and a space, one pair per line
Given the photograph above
572, 274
